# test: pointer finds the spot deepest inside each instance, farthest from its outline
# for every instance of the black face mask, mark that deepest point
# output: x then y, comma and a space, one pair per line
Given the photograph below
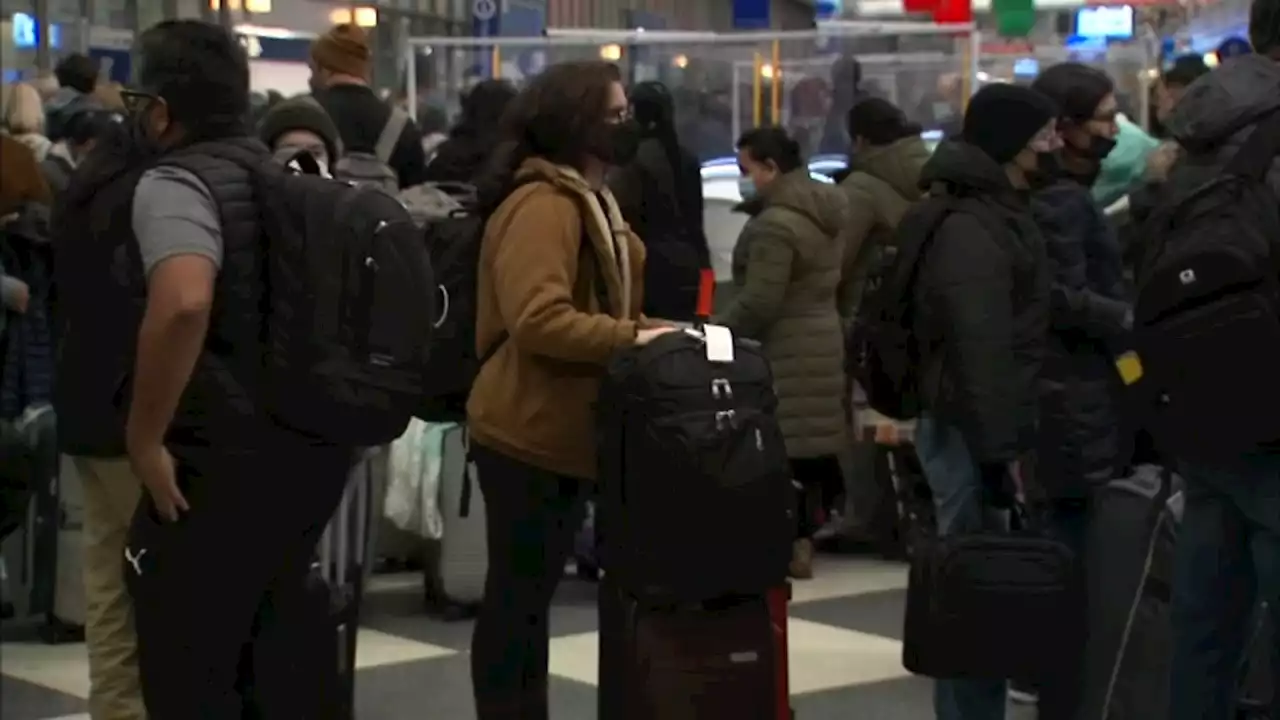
1100, 147
621, 142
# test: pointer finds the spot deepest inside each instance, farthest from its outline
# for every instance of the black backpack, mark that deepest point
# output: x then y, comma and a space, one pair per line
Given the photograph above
881, 350
1207, 319
695, 496
350, 307
454, 245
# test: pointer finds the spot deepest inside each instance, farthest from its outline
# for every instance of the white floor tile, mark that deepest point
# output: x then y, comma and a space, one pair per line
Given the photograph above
375, 649
825, 657
64, 668
836, 577
821, 657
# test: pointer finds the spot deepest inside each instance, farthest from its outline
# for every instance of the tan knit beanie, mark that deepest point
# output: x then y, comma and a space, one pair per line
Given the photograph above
344, 49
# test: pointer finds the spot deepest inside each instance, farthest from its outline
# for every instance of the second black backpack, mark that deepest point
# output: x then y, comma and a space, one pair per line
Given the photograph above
881, 351
695, 496
454, 244
1207, 319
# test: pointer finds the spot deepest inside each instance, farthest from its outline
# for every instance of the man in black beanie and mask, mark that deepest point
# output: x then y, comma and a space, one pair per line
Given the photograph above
981, 318
1079, 446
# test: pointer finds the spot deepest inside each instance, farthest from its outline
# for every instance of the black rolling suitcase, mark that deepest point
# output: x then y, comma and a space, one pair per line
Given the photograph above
1129, 566
694, 523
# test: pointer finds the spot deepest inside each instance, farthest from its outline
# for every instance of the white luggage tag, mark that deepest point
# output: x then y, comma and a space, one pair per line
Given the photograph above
719, 340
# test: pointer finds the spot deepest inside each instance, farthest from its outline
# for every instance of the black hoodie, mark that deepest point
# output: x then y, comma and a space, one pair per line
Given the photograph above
982, 305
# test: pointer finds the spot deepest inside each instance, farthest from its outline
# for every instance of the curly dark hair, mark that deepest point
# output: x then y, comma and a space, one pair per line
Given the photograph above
560, 115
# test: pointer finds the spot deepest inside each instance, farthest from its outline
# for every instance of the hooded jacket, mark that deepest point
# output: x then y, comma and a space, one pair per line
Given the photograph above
1216, 115
982, 306
1079, 438
786, 269
880, 187
664, 206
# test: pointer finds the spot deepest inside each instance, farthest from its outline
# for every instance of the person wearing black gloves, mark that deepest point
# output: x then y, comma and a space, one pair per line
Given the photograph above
981, 306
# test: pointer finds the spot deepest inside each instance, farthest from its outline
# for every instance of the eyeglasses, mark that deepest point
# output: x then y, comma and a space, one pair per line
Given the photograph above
1046, 140
135, 101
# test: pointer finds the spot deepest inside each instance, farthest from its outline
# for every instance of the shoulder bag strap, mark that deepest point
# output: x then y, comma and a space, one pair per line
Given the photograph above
391, 133
1255, 158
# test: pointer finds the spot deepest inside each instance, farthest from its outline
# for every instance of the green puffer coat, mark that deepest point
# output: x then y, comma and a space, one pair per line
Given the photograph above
882, 184
786, 268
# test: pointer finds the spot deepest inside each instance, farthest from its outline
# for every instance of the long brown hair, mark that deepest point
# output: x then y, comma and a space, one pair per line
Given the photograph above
558, 116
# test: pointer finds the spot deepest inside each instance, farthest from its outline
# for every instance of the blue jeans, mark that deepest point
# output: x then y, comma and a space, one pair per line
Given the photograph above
954, 478
1227, 558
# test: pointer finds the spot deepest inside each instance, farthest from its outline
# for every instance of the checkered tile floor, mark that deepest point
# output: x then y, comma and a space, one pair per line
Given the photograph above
845, 656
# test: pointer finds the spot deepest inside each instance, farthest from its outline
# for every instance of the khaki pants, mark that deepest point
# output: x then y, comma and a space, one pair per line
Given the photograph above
111, 494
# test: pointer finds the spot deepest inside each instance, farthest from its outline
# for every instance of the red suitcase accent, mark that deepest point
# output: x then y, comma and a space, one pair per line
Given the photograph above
778, 600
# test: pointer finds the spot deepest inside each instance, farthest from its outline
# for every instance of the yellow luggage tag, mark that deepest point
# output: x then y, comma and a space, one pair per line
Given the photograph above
1130, 367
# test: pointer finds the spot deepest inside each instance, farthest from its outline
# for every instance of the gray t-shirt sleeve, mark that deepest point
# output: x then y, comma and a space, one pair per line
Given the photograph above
175, 214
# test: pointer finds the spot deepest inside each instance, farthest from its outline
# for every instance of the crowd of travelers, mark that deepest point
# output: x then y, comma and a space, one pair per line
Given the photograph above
149, 321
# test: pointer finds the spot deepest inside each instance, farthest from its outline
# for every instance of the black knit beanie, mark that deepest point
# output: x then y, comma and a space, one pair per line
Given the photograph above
301, 113
1001, 119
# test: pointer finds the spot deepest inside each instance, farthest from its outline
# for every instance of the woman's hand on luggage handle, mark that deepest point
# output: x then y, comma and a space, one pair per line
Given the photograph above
154, 467
646, 336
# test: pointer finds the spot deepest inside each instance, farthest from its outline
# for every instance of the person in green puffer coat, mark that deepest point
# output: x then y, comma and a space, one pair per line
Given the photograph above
882, 183
786, 268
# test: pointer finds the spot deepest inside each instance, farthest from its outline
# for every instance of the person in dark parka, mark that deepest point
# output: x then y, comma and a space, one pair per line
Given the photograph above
660, 195
981, 311
1080, 447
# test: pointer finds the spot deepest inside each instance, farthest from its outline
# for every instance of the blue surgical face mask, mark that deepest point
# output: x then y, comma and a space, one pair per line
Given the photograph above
746, 187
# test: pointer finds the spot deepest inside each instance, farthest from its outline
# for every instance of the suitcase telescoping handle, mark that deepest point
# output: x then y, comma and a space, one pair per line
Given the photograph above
706, 297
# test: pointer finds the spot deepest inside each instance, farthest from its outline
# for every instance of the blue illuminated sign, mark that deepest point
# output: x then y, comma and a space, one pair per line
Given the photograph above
26, 32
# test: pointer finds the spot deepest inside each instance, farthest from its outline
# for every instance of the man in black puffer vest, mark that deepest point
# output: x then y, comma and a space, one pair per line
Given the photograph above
234, 504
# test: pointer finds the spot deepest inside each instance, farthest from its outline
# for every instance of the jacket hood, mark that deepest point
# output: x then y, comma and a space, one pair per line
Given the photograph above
1222, 103
899, 164
962, 165
821, 203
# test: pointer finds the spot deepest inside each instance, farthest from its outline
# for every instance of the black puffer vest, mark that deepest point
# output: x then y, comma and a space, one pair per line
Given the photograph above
99, 299
219, 408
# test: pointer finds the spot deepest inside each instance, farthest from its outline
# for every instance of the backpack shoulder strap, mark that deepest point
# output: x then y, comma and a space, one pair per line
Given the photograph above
391, 133
1254, 158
